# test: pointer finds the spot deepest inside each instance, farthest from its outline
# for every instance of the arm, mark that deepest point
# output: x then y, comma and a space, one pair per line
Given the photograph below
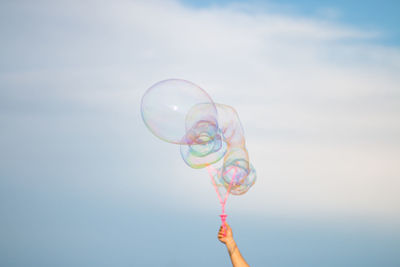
234, 253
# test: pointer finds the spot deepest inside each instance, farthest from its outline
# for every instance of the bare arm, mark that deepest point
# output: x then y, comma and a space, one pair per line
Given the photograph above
236, 258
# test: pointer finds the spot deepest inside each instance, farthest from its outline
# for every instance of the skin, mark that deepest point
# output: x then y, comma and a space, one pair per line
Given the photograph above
226, 237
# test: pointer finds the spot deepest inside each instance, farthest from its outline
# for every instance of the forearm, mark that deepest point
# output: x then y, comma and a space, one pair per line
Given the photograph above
236, 258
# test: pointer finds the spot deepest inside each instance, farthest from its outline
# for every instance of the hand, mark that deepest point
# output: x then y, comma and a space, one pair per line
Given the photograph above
225, 234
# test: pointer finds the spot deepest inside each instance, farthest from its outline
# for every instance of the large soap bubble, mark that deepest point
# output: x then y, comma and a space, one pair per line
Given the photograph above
165, 108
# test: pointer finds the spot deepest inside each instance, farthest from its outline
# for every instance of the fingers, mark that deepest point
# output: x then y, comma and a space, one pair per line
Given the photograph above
222, 233
226, 225
223, 229
222, 238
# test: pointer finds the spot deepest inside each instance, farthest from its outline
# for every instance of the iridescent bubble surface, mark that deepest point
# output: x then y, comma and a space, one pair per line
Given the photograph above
209, 134
165, 107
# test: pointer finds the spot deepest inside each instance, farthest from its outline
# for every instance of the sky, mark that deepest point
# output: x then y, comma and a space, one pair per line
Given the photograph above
372, 15
84, 183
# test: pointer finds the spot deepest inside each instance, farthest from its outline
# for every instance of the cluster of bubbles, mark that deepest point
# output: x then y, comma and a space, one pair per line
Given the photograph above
209, 134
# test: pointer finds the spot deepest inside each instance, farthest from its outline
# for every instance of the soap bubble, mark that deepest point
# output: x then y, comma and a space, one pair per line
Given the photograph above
239, 187
166, 105
180, 112
200, 155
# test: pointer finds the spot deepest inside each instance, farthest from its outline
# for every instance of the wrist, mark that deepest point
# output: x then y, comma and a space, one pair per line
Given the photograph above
230, 245
230, 241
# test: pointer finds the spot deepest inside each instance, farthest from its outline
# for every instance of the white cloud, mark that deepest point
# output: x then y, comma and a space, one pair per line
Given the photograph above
319, 101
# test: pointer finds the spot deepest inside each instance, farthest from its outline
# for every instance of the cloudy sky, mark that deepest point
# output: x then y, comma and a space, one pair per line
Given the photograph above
84, 183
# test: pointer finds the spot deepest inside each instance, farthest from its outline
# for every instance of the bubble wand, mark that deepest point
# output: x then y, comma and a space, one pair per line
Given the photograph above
222, 201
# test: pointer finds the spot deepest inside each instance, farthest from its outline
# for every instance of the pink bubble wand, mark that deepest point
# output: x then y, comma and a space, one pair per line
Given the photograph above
222, 201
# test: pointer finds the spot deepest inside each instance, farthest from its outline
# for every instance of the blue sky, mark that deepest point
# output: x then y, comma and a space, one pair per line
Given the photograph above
84, 183
369, 14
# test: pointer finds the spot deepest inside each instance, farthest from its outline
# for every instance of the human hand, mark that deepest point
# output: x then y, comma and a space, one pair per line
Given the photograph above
225, 234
